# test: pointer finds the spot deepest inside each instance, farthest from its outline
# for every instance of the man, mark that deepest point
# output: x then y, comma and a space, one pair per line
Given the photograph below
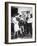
29, 24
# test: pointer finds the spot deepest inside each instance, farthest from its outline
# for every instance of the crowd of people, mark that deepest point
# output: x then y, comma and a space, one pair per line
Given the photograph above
22, 25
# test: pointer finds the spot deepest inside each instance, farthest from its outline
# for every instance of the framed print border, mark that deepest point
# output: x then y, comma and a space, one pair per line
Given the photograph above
6, 22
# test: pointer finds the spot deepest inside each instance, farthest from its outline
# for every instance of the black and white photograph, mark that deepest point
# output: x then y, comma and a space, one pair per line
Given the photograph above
21, 22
